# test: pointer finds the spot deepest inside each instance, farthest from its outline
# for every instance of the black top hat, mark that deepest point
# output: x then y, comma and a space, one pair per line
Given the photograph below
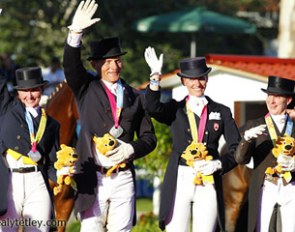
29, 78
280, 86
193, 67
106, 48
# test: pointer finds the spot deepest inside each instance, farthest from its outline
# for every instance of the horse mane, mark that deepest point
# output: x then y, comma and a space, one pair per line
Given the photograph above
61, 105
57, 89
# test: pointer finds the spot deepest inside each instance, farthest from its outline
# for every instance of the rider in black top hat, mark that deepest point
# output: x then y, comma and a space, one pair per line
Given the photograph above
271, 196
196, 121
29, 139
107, 104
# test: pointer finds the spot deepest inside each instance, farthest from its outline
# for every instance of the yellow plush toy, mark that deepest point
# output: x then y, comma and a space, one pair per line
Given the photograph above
66, 157
194, 152
105, 144
284, 145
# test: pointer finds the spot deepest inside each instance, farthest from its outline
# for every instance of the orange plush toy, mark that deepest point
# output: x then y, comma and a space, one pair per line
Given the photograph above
66, 157
197, 152
284, 145
105, 144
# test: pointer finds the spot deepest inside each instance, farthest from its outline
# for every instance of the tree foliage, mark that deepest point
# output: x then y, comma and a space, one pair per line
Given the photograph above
155, 163
34, 31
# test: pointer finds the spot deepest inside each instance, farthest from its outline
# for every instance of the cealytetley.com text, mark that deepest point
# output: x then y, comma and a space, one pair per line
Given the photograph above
28, 222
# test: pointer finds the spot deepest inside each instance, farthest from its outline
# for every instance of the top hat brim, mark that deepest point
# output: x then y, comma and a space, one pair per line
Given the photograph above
192, 73
27, 86
106, 56
276, 91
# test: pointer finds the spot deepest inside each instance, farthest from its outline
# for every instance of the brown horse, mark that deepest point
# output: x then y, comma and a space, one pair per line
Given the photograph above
62, 107
235, 191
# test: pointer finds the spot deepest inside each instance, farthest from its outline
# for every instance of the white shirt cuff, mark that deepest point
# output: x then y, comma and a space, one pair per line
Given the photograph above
74, 39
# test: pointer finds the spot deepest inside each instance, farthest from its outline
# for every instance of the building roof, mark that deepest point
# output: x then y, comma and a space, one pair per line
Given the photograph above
260, 65
253, 66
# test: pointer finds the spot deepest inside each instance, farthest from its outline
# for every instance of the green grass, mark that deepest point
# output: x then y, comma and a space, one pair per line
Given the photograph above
144, 204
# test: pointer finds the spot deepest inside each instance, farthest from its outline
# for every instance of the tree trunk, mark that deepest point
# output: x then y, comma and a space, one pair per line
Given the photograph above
287, 29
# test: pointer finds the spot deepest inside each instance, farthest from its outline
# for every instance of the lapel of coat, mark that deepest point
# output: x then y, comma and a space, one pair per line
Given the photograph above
102, 97
127, 98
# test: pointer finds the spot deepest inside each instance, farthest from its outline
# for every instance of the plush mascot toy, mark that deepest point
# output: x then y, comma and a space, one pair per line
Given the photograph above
105, 144
197, 152
66, 157
284, 145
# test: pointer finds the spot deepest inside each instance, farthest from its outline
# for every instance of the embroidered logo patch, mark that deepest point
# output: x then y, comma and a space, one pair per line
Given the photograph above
216, 126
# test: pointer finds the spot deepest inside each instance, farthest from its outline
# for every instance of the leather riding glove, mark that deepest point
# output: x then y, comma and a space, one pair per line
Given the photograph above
209, 167
254, 132
153, 61
287, 162
121, 153
82, 18
66, 171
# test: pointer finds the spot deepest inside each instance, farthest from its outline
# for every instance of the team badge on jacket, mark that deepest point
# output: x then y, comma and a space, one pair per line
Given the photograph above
216, 126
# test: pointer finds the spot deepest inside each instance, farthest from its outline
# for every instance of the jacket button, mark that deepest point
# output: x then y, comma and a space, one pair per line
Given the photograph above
18, 137
206, 132
16, 148
188, 130
189, 141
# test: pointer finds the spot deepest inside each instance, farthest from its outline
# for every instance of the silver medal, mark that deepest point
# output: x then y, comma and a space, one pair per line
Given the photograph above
116, 132
35, 156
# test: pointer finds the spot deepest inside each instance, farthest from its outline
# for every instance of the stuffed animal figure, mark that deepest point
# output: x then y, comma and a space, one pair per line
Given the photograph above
66, 157
105, 144
194, 152
284, 145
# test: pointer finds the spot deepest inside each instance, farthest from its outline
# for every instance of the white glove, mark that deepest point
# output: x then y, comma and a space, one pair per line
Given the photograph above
287, 162
198, 164
120, 153
43, 100
209, 167
82, 18
66, 171
152, 60
0, 11
254, 132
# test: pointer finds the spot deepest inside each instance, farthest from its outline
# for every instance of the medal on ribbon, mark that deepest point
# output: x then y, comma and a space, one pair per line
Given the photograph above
116, 131
116, 106
197, 151
34, 154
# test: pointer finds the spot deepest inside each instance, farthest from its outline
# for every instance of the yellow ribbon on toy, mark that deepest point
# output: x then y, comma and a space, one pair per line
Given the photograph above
16, 155
208, 179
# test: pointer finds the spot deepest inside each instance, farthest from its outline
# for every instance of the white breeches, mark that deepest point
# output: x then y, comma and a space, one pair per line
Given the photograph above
285, 197
29, 204
198, 200
113, 209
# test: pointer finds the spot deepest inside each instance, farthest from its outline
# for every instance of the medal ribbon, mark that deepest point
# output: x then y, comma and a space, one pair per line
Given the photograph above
197, 134
35, 139
116, 106
272, 130
273, 135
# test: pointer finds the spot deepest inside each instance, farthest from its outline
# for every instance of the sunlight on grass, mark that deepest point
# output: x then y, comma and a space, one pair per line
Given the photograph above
146, 222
